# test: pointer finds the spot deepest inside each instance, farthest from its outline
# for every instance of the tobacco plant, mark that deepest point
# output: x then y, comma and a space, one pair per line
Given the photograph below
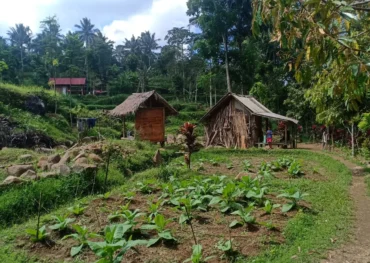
295, 169
37, 235
247, 165
228, 199
62, 223
81, 236
294, 196
269, 206
77, 209
197, 255
160, 224
245, 215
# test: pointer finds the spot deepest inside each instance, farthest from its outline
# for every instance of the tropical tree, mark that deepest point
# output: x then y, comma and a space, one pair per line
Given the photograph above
149, 44
20, 37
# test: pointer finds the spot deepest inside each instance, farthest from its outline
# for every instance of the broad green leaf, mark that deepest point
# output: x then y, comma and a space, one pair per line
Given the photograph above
235, 223
76, 250
287, 207
215, 200
153, 241
166, 235
148, 227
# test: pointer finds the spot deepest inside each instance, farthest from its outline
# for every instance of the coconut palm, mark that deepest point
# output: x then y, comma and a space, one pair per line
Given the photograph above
87, 34
148, 45
20, 37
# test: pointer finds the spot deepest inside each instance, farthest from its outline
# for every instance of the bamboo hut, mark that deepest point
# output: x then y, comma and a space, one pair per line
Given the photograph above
150, 110
236, 121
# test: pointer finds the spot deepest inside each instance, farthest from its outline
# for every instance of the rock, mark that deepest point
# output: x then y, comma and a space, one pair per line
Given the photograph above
44, 165
61, 169
29, 175
358, 171
80, 168
61, 148
35, 105
180, 139
66, 158
51, 174
82, 160
45, 150
55, 158
25, 158
95, 158
157, 159
18, 170
171, 139
80, 155
43, 158
12, 180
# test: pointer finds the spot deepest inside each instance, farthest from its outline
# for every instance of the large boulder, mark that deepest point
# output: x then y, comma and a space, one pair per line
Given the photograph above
82, 160
44, 165
29, 175
25, 158
12, 180
51, 174
55, 158
95, 158
61, 169
18, 170
35, 105
80, 168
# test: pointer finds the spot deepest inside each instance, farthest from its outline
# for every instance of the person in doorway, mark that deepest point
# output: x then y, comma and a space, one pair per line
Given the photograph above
324, 140
269, 137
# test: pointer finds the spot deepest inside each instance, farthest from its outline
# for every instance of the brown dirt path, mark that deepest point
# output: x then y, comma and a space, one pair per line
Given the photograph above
358, 249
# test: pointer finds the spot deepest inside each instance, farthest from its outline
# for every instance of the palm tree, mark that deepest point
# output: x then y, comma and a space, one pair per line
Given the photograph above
20, 37
148, 44
133, 45
87, 34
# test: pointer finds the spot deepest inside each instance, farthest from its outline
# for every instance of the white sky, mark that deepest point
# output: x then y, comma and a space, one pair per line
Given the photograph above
117, 19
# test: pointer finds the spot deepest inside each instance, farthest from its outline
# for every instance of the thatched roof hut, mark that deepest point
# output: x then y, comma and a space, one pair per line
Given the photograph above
150, 110
136, 101
236, 121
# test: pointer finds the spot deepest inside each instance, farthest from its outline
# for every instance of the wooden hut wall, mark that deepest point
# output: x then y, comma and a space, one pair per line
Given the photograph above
228, 127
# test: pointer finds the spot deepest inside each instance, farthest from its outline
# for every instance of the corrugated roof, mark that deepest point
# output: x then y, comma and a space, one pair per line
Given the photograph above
69, 81
133, 103
252, 104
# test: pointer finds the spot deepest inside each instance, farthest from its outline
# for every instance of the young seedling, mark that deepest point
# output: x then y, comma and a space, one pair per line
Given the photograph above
268, 208
227, 248
77, 209
37, 235
245, 215
228, 199
229, 166
81, 235
257, 195
145, 188
160, 227
294, 196
62, 223
131, 216
154, 209
295, 169
197, 255
247, 166
119, 214
114, 246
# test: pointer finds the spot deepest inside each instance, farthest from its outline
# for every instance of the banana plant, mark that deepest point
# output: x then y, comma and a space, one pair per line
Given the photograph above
245, 215
81, 236
160, 224
114, 246
37, 236
62, 223
294, 196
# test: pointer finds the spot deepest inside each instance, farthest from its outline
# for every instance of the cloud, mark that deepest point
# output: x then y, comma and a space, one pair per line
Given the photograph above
161, 17
117, 19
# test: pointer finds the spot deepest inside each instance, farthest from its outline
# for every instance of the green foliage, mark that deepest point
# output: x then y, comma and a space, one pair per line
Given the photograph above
197, 255
294, 196
247, 165
245, 215
160, 224
269, 206
62, 223
77, 209
37, 236
81, 236
295, 169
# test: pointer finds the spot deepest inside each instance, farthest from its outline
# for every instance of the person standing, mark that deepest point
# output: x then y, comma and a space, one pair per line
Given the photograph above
324, 140
269, 137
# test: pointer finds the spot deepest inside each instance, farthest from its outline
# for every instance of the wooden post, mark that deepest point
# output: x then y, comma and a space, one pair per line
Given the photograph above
124, 127
286, 134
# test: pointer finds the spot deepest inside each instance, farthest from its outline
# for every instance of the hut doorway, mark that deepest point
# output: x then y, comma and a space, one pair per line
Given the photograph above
149, 124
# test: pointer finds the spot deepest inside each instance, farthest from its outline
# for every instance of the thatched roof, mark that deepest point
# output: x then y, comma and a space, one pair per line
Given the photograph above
251, 104
140, 100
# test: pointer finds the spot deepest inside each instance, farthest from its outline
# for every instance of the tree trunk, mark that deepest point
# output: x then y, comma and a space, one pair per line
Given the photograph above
210, 91
226, 46
87, 73
183, 70
196, 90
353, 139
22, 63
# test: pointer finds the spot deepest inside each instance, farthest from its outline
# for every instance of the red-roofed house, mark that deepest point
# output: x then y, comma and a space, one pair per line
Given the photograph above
70, 85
